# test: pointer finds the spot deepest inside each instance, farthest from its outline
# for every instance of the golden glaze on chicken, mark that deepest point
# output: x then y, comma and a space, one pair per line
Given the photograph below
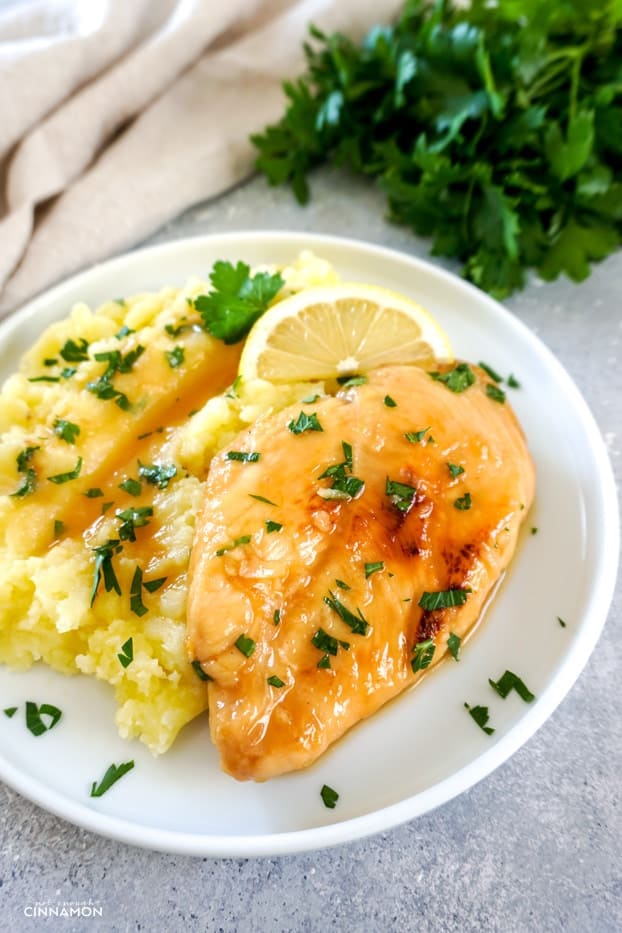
270, 577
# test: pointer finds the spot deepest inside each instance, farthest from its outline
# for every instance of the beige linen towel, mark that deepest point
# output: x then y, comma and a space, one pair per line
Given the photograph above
116, 115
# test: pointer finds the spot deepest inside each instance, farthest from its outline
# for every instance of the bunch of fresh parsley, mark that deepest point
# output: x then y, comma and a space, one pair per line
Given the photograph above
495, 129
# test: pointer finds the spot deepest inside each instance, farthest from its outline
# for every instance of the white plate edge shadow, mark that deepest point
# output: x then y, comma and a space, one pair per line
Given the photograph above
331, 834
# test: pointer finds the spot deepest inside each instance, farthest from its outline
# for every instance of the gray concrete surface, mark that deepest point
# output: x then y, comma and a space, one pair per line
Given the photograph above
534, 847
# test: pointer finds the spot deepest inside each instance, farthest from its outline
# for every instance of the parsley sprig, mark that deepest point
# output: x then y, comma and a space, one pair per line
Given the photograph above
492, 128
236, 301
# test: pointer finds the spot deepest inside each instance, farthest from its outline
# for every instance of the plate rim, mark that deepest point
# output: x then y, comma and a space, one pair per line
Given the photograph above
596, 609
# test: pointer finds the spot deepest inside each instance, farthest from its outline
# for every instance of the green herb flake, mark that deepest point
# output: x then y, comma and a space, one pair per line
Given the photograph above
10, 711
34, 722
342, 585
75, 352
276, 618
238, 542
401, 494
325, 643
311, 399
123, 331
242, 456
510, 681
29, 482
104, 569
463, 503
50, 361
175, 357
490, 372
236, 301
131, 486
198, 670
59, 528
131, 519
157, 474
245, 645
126, 655
329, 796
453, 645
262, 499
67, 477
305, 423
112, 775
324, 662
443, 599
416, 437
389, 402
455, 469
373, 567
68, 371
273, 526
423, 652
513, 382
152, 586
457, 379
358, 623
136, 596
481, 716
44, 379
533, 531
275, 681
495, 393
348, 381
561, 622
106, 506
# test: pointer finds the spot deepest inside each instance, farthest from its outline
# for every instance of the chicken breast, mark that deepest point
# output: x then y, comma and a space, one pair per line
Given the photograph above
341, 544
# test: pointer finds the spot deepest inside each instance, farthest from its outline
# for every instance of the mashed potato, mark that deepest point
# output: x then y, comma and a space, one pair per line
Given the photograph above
100, 481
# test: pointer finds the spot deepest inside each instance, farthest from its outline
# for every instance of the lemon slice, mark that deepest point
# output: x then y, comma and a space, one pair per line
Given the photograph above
326, 332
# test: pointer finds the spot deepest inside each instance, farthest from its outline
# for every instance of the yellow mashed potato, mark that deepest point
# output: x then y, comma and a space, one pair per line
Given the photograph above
144, 444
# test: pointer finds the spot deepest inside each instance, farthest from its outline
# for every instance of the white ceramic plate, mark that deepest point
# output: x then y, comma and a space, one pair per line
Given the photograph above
423, 748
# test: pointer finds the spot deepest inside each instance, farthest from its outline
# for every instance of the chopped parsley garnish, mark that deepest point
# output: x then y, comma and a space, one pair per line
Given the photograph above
423, 652
453, 645
275, 681
304, 423
158, 474
457, 379
389, 402
131, 486
68, 371
242, 456
106, 506
104, 568
175, 330
326, 643
329, 796
513, 382
112, 775
455, 469
495, 393
276, 618
358, 623
93, 493
10, 711
137, 605
50, 361
510, 681
415, 437
243, 539
29, 482
131, 519
67, 477
324, 662
236, 301
59, 528
273, 526
490, 372
198, 670
343, 486
246, 645
117, 363
126, 655
75, 352
34, 722
152, 586
347, 381
443, 599
561, 622
463, 503
175, 357
534, 531
342, 585
44, 379
262, 499
310, 399
104, 390
373, 567
481, 717
124, 331
401, 495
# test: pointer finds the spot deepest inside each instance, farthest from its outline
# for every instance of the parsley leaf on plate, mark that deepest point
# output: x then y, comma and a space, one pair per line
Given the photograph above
238, 299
